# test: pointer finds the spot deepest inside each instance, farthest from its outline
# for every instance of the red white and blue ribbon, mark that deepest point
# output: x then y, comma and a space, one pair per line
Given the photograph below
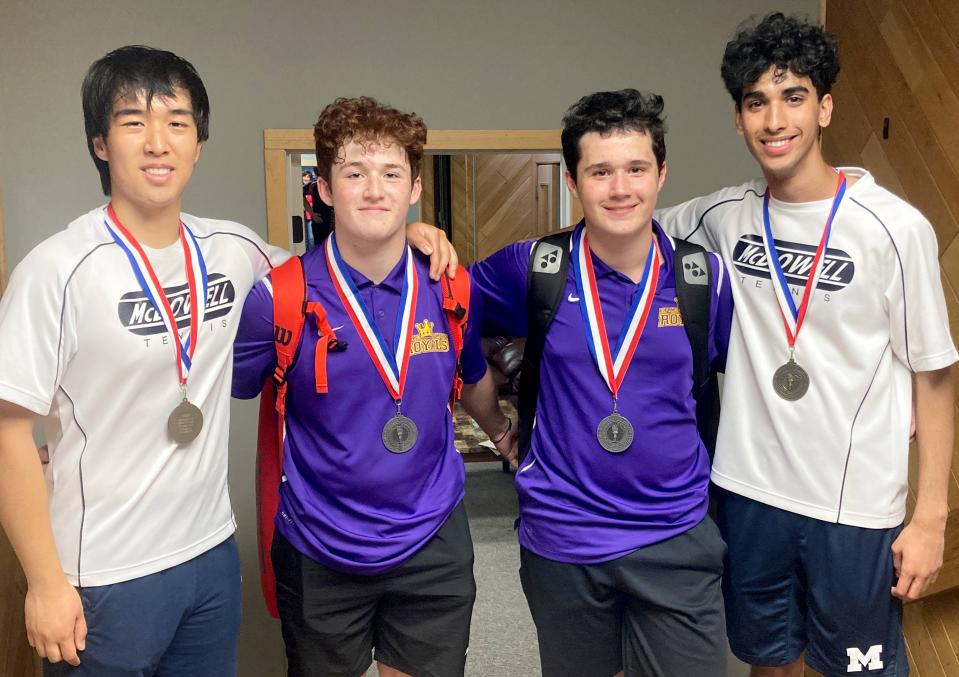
793, 316
390, 359
612, 365
153, 290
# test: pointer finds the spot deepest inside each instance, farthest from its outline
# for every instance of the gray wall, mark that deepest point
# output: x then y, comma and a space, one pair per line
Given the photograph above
483, 64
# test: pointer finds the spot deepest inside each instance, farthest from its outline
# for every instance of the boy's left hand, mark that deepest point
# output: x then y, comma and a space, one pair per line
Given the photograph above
433, 242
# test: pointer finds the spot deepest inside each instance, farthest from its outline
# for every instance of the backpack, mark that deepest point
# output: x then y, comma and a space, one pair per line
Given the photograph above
546, 282
290, 308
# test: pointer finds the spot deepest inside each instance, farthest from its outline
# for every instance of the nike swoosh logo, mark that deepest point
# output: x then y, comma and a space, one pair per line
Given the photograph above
337, 328
572, 299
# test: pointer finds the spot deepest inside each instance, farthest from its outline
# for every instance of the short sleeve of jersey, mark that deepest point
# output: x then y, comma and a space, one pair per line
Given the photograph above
254, 353
691, 220
919, 324
472, 359
37, 336
722, 314
499, 290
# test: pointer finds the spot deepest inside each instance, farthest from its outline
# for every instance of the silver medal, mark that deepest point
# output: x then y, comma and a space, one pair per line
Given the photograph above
399, 434
185, 422
615, 433
791, 381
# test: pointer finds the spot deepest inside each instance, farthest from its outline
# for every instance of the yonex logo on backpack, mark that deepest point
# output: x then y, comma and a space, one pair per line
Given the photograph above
547, 258
872, 659
694, 269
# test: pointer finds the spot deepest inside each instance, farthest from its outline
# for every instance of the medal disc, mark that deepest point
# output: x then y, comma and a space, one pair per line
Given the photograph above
615, 433
791, 381
185, 422
399, 434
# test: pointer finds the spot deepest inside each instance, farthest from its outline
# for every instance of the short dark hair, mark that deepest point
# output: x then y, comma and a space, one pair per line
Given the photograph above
627, 110
127, 72
784, 43
366, 121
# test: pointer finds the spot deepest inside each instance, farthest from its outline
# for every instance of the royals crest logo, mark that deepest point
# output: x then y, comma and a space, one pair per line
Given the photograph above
425, 341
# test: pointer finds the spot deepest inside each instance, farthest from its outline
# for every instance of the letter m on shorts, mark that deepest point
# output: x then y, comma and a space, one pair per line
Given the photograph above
872, 659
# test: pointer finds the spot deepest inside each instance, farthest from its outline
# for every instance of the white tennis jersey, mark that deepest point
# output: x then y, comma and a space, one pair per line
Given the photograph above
878, 314
81, 345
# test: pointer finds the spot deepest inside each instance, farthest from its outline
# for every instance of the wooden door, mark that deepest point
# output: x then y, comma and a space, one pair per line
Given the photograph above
897, 115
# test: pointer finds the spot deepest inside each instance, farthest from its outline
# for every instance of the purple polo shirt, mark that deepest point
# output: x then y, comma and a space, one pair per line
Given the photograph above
578, 502
347, 502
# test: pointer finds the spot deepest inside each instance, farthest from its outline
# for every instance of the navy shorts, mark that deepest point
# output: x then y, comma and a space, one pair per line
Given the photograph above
180, 622
795, 584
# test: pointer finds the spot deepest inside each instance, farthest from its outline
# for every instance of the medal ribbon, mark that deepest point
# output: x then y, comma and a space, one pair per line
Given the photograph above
794, 318
153, 290
392, 362
612, 366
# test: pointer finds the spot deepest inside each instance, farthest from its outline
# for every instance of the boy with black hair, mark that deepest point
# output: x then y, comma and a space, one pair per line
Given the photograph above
372, 549
621, 567
119, 331
840, 319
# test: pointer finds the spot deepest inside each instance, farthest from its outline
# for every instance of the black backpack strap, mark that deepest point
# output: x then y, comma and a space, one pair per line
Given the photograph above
545, 283
694, 289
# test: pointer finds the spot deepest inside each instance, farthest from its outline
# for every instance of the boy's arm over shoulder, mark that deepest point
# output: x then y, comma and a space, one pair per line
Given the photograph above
697, 220
254, 352
262, 255
499, 289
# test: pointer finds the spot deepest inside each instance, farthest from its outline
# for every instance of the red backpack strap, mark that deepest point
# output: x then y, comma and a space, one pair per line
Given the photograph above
289, 290
289, 308
322, 346
456, 303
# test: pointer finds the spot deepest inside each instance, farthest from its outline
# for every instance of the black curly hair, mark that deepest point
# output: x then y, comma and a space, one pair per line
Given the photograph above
608, 112
783, 43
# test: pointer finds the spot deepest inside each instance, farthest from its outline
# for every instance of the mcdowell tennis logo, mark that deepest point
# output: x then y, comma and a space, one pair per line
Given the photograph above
139, 316
871, 660
425, 341
796, 259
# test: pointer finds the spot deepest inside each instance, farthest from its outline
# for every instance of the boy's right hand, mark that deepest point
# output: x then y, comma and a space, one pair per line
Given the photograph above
55, 624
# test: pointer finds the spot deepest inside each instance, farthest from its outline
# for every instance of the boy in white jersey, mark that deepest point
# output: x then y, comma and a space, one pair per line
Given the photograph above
119, 331
839, 319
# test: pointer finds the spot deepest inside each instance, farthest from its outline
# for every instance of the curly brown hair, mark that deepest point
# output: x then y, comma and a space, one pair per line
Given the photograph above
365, 120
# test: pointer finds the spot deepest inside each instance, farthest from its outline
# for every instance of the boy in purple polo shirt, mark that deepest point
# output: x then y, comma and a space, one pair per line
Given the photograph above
372, 548
620, 564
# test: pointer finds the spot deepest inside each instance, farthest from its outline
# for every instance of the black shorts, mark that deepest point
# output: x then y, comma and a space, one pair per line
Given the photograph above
416, 617
798, 585
656, 612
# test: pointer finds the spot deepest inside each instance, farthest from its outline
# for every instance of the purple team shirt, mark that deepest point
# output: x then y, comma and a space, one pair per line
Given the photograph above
579, 503
347, 501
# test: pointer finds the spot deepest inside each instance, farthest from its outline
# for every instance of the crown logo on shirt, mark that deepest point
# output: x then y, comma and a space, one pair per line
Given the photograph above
425, 341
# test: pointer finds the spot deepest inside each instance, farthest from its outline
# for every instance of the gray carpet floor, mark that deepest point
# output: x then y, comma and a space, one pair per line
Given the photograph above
503, 639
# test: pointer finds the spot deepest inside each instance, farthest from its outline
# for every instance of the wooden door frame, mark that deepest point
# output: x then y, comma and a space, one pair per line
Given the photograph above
279, 143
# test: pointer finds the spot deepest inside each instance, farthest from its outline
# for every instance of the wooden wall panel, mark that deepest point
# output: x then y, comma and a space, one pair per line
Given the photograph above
17, 659
900, 60
505, 201
463, 198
